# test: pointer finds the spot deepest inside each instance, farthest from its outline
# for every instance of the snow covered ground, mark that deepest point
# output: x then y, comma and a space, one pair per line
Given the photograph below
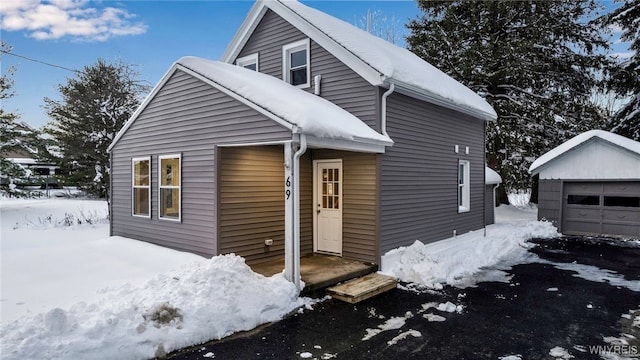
71, 292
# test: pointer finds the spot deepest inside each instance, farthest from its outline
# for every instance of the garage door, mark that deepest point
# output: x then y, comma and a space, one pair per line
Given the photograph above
608, 208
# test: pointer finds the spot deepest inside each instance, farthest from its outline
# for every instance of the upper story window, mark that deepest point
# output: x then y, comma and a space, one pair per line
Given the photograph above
296, 70
169, 186
463, 186
141, 186
248, 62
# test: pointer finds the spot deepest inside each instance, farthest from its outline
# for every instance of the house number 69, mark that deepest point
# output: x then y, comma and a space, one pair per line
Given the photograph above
288, 185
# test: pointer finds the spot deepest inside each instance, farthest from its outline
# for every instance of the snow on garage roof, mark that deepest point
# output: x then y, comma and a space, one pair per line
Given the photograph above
378, 61
615, 139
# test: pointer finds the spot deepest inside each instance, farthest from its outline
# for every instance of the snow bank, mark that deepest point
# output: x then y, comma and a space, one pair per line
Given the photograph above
455, 260
208, 299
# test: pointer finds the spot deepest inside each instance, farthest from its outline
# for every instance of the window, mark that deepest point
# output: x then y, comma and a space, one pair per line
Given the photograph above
248, 62
583, 200
622, 201
141, 187
463, 186
169, 187
296, 63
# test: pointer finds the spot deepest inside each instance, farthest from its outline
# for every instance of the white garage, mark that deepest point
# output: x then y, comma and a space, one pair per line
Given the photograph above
590, 185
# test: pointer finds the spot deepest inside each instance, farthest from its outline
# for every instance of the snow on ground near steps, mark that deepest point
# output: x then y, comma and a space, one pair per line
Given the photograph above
71, 292
455, 261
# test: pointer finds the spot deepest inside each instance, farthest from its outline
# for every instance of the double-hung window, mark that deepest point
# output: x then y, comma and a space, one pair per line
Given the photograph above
463, 186
141, 187
296, 70
248, 62
169, 175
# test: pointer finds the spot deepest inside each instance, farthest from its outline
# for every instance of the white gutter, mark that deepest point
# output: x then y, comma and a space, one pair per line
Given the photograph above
383, 117
296, 209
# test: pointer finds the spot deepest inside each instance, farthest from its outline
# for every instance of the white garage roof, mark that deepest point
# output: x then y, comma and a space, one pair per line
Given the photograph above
615, 157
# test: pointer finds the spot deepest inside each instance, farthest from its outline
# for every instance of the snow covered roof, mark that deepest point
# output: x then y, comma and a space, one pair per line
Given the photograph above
376, 60
491, 177
572, 143
310, 115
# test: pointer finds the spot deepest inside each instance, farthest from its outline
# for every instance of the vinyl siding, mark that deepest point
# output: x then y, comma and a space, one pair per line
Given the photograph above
418, 183
550, 201
339, 83
189, 117
360, 203
252, 203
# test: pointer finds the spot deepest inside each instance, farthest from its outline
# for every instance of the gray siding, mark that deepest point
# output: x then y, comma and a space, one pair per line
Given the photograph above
251, 188
360, 200
418, 180
340, 84
550, 201
188, 117
489, 210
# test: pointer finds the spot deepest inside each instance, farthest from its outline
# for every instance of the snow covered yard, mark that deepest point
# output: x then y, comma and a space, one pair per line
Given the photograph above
71, 291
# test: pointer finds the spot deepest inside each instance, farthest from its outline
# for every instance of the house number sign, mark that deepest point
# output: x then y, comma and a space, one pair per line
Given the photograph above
288, 187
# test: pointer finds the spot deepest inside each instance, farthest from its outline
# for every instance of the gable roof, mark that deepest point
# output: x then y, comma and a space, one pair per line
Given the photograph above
376, 60
576, 141
311, 115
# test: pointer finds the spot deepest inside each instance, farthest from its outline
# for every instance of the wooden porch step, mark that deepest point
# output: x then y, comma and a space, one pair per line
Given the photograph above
363, 288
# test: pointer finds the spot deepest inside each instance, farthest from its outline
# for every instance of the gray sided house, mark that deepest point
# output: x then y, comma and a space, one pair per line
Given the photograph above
590, 185
309, 136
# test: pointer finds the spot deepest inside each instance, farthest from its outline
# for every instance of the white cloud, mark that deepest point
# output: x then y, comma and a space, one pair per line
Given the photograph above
56, 19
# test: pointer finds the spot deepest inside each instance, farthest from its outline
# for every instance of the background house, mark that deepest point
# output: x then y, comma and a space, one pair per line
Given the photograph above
591, 185
321, 137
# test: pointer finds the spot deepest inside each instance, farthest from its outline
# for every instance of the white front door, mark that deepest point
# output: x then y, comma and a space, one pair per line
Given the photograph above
328, 206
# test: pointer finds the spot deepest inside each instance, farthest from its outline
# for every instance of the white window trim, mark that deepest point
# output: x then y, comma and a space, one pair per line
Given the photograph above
292, 47
248, 60
466, 201
160, 187
133, 187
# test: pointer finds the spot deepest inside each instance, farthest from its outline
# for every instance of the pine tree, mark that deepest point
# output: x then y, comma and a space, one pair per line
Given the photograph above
95, 105
12, 139
626, 75
535, 62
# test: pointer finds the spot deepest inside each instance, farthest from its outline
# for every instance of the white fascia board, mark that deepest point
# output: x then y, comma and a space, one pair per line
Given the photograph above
337, 144
415, 92
143, 106
238, 97
245, 30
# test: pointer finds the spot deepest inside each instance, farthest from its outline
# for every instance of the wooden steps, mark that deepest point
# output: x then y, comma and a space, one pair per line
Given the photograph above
363, 288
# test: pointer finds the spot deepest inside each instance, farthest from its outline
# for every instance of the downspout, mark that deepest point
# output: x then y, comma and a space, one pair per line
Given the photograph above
296, 209
383, 117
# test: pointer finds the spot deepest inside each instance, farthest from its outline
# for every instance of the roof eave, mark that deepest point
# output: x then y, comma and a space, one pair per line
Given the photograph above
419, 93
249, 24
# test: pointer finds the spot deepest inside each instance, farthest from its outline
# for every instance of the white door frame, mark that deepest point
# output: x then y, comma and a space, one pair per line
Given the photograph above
316, 203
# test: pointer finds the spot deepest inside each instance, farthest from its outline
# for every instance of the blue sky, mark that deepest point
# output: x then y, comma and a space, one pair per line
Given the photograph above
148, 34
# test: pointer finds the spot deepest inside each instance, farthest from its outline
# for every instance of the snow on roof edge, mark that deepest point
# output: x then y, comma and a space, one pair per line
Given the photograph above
491, 177
572, 143
313, 115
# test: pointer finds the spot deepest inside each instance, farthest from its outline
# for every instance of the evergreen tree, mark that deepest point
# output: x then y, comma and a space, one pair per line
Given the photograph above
13, 139
626, 76
535, 62
95, 105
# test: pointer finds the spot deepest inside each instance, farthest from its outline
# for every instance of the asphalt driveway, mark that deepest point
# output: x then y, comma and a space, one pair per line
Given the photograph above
576, 297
